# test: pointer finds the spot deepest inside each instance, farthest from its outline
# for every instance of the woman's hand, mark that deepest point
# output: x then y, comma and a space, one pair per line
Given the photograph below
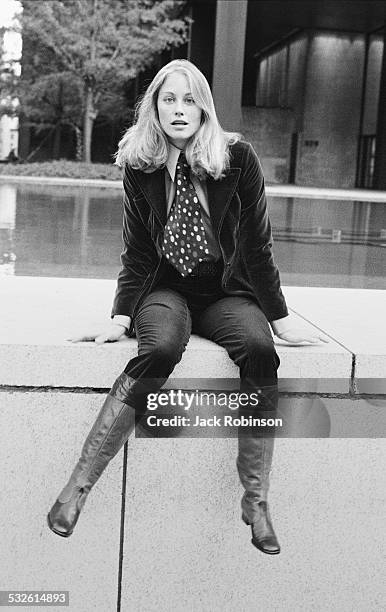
112, 333
301, 337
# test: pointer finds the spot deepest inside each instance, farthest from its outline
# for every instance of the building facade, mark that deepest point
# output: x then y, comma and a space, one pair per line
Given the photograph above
303, 80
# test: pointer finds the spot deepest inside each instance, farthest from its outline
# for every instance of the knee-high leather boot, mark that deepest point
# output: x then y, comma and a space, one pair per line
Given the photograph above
255, 451
110, 431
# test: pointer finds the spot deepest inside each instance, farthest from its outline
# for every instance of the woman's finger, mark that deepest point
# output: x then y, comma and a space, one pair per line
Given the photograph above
304, 338
102, 338
304, 341
318, 339
300, 342
83, 338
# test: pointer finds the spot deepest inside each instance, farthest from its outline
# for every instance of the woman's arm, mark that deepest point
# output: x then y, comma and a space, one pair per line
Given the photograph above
256, 239
256, 244
139, 256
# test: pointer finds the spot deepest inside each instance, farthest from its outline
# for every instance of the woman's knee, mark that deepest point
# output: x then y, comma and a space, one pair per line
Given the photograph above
261, 348
260, 357
165, 353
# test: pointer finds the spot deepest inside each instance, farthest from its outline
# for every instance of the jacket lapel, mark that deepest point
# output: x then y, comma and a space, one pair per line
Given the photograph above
219, 193
153, 186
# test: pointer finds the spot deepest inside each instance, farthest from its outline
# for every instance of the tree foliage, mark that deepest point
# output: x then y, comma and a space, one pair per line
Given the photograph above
78, 55
8, 80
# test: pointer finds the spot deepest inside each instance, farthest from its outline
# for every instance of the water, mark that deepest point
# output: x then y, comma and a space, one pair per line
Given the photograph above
76, 232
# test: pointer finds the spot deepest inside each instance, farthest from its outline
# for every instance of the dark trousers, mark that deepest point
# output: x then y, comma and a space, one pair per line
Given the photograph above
176, 308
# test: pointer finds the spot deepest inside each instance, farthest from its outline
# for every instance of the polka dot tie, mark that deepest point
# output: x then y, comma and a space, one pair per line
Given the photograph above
184, 243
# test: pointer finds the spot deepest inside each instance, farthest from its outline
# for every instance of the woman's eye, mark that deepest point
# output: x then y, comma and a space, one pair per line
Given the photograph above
190, 100
168, 99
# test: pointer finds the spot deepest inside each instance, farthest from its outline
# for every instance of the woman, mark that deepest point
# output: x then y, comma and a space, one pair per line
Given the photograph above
197, 257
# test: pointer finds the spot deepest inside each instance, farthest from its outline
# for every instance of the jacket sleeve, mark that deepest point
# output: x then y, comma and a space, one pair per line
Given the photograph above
256, 239
139, 257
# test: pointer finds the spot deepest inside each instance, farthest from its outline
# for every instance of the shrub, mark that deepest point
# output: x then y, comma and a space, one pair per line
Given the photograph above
63, 168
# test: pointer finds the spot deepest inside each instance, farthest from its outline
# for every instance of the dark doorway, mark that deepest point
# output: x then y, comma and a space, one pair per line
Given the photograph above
293, 158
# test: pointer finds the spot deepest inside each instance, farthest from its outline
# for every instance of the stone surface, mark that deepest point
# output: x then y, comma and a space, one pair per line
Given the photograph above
326, 193
186, 547
91, 365
250, 117
34, 350
353, 317
42, 435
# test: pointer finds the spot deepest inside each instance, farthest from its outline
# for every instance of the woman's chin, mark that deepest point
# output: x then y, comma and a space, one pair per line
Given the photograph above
179, 140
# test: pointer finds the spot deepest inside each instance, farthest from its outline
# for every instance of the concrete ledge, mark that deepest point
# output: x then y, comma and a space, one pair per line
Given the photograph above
287, 191
38, 314
356, 319
90, 365
42, 434
180, 506
324, 193
193, 544
184, 545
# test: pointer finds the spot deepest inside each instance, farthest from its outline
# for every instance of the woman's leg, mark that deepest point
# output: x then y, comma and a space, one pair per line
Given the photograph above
238, 325
163, 328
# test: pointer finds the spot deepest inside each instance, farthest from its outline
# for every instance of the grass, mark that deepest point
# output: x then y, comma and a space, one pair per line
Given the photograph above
63, 168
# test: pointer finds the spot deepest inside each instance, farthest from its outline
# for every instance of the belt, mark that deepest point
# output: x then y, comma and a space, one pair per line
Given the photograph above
208, 269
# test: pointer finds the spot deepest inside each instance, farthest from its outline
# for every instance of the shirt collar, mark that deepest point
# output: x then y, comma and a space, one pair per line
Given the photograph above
172, 160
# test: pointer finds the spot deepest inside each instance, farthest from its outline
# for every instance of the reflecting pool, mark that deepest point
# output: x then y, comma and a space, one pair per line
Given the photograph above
68, 231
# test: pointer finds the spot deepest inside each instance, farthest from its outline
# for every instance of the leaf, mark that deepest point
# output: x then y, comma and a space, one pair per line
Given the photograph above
75, 48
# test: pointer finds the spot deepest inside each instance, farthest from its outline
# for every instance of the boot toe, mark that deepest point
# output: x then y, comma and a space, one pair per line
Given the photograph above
56, 524
267, 546
63, 516
58, 529
263, 534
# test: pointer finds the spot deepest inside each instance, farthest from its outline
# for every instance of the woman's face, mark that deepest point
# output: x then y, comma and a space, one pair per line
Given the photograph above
179, 115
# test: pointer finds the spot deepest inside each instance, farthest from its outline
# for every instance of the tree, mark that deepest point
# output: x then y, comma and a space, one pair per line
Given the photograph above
8, 80
53, 101
83, 52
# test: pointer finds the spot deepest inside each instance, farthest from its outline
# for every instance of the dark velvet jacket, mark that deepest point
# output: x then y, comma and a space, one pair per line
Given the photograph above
240, 221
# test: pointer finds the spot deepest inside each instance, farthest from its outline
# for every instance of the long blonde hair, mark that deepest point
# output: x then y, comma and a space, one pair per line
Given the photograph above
144, 146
